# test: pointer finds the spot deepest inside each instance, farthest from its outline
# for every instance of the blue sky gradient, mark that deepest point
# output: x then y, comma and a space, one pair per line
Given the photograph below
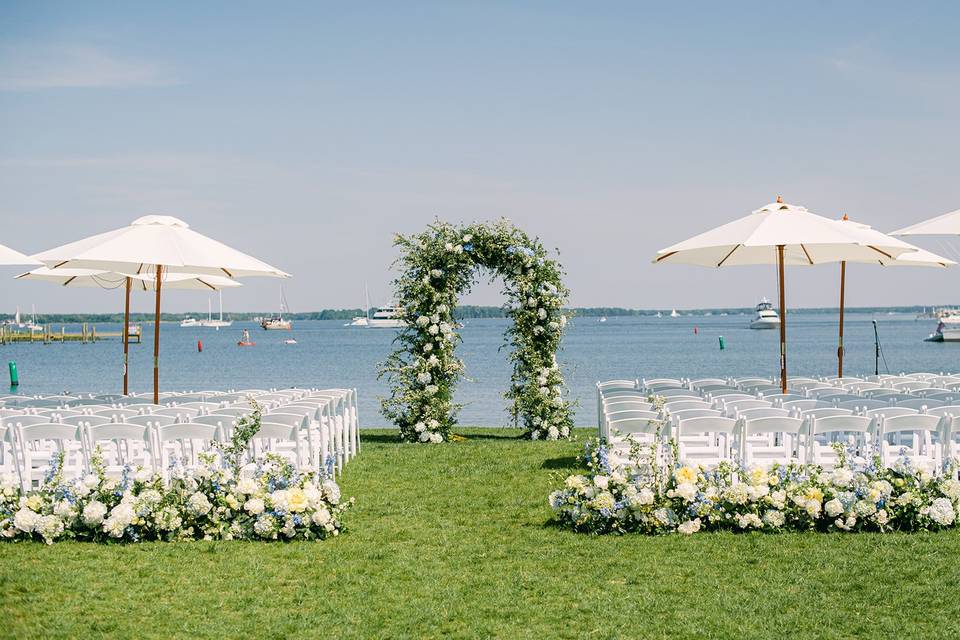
307, 134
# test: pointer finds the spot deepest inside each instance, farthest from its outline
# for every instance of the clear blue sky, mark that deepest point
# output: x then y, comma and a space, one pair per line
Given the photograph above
308, 133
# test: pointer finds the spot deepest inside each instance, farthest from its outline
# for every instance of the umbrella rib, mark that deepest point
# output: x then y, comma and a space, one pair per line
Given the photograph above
212, 288
880, 252
720, 264
806, 253
69, 280
659, 258
226, 272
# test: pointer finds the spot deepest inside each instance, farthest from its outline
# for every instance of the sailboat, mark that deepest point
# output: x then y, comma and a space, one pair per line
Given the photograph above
210, 322
32, 325
364, 320
277, 322
674, 314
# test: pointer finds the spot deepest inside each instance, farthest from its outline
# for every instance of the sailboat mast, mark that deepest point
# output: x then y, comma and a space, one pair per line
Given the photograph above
366, 294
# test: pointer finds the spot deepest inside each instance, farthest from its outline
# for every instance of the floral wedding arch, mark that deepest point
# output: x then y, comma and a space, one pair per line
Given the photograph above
437, 267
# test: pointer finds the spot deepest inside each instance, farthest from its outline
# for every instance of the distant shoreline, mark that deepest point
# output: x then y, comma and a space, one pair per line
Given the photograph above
465, 312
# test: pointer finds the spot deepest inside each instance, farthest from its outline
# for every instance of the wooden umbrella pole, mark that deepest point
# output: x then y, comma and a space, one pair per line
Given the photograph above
843, 280
783, 323
126, 338
156, 339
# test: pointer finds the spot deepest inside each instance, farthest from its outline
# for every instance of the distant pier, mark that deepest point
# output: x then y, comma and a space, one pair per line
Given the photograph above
48, 335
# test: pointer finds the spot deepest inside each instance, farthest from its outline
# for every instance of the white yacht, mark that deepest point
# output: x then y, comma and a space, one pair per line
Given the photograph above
189, 322
766, 317
674, 314
278, 323
387, 318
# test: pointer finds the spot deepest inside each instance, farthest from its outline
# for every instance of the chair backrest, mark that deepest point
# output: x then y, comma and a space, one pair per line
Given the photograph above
764, 388
753, 381
185, 414
24, 420
117, 431
921, 403
706, 424
632, 415
152, 420
947, 410
236, 412
289, 419
911, 386
679, 405
806, 405
708, 382
660, 383
777, 424
782, 397
735, 405
678, 394
860, 386
840, 423
634, 426
48, 431
224, 423
729, 395
276, 430
891, 412
693, 413
826, 412
761, 412
825, 392
185, 431
80, 421
946, 396
117, 413
921, 375
617, 385
862, 404
810, 386
915, 422
198, 406
619, 404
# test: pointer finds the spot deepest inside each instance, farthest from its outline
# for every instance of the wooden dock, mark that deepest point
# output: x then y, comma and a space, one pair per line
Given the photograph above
47, 335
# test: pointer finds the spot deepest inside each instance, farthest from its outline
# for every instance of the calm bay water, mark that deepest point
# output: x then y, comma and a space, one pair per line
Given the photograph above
329, 354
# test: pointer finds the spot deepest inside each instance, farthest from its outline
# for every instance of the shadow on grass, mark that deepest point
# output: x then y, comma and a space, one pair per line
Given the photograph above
487, 434
566, 462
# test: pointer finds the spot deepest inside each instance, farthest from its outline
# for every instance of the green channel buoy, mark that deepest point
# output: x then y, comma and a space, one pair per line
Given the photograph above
14, 377
723, 345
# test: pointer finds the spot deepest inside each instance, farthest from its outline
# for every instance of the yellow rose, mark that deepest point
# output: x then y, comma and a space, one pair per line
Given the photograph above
813, 495
757, 477
232, 502
297, 500
34, 502
685, 474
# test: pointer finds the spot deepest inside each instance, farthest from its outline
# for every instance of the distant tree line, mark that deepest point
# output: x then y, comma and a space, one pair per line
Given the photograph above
463, 312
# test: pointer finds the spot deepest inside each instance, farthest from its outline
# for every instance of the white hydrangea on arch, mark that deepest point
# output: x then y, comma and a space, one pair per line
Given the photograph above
437, 267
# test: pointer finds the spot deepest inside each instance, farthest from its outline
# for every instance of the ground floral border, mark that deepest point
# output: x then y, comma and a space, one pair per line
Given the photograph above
439, 265
656, 496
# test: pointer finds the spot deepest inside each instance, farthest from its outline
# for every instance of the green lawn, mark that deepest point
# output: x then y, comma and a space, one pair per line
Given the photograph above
456, 540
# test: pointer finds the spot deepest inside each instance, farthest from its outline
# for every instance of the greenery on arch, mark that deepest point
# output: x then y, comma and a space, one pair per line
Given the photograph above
437, 267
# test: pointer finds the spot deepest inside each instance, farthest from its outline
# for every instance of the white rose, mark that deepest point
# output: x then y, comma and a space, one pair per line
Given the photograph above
689, 527
436, 273
26, 520
833, 508
468, 237
448, 246
254, 506
247, 486
91, 480
687, 491
842, 477
645, 497
93, 513
433, 330
601, 482
542, 313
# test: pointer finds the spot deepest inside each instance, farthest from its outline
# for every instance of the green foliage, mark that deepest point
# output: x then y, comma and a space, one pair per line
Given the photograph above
458, 542
246, 428
437, 267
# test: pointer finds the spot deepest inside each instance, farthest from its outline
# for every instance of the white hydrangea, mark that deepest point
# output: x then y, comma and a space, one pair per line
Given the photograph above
26, 520
433, 330
419, 427
542, 313
321, 516
431, 389
749, 520
687, 491
247, 486
436, 438
941, 512
553, 433
423, 321
424, 436
254, 506
774, 518
689, 527
424, 377
428, 347
842, 477
198, 504
833, 508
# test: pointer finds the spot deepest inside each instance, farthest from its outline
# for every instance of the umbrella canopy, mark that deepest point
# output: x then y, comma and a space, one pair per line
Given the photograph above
157, 240
806, 238
140, 282
912, 257
946, 225
160, 245
780, 234
10, 256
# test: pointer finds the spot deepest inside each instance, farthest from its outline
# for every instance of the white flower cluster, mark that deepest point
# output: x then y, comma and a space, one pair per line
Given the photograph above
275, 503
856, 496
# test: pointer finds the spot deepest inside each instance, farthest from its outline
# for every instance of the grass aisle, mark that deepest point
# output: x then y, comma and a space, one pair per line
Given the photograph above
455, 541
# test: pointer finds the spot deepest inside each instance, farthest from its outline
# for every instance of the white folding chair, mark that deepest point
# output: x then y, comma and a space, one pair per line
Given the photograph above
707, 440
35, 445
122, 443
181, 440
854, 431
784, 447
922, 446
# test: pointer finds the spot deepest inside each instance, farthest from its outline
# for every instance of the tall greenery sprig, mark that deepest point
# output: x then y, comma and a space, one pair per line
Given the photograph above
437, 267
247, 427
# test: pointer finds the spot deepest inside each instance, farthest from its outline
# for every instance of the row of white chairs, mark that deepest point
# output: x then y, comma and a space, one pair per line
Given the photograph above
626, 406
314, 429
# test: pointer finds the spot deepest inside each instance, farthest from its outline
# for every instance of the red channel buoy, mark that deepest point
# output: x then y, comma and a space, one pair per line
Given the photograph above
199, 346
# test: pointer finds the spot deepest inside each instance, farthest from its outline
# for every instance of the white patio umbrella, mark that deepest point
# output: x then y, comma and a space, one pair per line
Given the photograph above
10, 256
780, 234
142, 282
160, 245
913, 256
946, 225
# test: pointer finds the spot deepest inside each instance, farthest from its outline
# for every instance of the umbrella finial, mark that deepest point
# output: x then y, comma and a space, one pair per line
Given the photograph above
779, 200
844, 217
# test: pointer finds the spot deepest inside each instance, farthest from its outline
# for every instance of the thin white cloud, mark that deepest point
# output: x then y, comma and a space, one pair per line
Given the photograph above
36, 68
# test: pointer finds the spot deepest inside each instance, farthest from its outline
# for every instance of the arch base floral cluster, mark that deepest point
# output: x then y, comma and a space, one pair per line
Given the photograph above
437, 267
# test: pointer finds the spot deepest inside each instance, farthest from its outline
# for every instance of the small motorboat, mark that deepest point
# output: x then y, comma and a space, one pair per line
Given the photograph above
245, 341
289, 341
766, 317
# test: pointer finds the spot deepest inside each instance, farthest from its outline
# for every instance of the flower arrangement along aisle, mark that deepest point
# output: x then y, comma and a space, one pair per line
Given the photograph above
221, 500
858, 495
438, 266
